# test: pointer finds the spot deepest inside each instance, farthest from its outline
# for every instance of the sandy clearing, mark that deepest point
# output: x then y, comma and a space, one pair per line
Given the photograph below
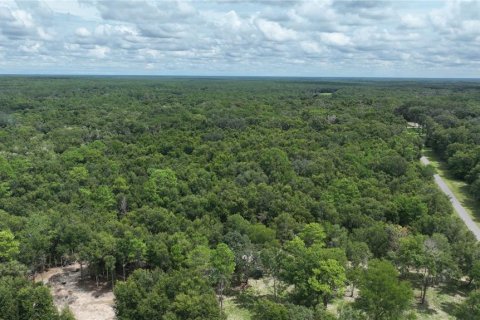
85, 299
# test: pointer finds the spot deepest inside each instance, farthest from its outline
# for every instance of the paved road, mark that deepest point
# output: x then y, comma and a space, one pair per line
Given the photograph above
462, 213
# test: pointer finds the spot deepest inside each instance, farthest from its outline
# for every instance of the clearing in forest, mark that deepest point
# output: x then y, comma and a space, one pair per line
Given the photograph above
84, 298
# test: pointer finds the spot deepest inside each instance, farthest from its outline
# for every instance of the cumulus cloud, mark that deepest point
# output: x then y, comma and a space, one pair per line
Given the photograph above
335, 39
275, 32
346, 37
99, 52
411, 21
82, 32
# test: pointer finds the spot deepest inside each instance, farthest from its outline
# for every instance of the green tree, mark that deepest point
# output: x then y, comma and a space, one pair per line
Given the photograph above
276, 165
269, 310
409, 253
474, 273
328, 280
178, 295
313, 233
300, 266
110, 267
21, 299
9, 246
358, 254
271, 259
382, 295
436, 261
223, 266
162, 187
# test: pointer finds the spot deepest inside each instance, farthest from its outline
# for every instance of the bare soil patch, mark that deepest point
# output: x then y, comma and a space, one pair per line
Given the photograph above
84, 298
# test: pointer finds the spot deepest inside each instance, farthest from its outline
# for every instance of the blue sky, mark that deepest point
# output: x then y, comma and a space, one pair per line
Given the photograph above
252, 38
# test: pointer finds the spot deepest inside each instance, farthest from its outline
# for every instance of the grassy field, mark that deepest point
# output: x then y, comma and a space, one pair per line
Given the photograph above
440, 304
234, 311
441, 301
458, 187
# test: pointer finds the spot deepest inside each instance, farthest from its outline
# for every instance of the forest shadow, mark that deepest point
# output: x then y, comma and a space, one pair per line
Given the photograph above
450, 307
470, 203
440, 298
425, 309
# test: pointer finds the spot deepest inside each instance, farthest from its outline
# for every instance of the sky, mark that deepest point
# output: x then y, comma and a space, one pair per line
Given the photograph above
325, 38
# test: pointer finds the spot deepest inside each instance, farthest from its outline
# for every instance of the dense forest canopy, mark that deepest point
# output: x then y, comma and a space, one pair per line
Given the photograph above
180, 190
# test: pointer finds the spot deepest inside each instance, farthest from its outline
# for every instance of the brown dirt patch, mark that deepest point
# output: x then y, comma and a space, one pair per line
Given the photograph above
84, 298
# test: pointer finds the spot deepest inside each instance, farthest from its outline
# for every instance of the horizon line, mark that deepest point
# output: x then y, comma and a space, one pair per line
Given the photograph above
229, 76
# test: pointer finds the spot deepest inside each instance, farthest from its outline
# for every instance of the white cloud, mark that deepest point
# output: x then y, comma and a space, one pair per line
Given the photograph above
311, 47
411, 21
335, 39
99, 52
30, 47
267, 37
275, 32
83, 32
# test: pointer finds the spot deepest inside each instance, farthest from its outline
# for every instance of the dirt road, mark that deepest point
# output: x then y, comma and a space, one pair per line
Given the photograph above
85, 299
459, 209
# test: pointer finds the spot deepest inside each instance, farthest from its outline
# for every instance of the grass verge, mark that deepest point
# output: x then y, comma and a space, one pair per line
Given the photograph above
458, 187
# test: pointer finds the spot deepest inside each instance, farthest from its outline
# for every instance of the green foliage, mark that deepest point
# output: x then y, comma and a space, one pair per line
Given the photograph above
315, 271
269, 310
470, 308
223, 265
313, 234
452, 128
20, 299
218, 181
156, 295
328, 280
9, 247
162, 187
66, 314
382, 295
276, 165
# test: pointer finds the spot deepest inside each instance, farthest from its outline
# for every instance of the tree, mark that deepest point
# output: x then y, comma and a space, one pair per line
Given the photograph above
475, 188
382, 295
303, 266
358, 254
409, 254
328, 280
276, 165
313, 233
110, 266
37, 239
21, 299
271, 259
162, 187
223, 266
131, 249
9, 247
178, 295
474, 273
285, 227
436, 261
268, 310
245, 255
